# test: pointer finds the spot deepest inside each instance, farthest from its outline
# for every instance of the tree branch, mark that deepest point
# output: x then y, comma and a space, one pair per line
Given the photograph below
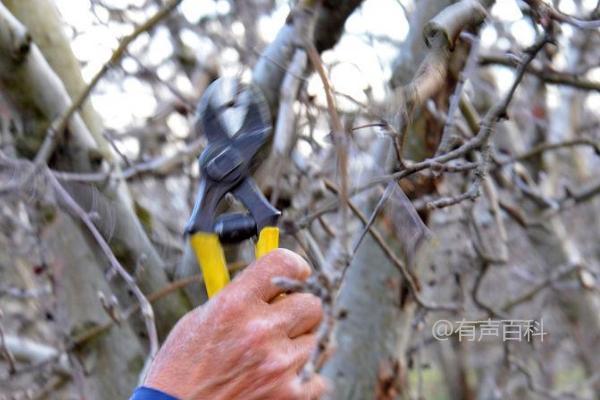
59, 125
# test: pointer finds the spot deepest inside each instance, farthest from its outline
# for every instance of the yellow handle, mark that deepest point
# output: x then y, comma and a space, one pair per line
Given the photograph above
211, 259
268, 239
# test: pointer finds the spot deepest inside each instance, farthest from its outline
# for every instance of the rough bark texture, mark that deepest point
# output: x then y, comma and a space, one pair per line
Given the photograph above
372, 341
373, 335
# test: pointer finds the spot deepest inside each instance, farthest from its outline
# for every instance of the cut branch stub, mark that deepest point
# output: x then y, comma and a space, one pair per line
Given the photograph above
452, 20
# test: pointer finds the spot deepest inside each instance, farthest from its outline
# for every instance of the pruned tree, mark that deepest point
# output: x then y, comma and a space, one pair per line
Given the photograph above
457, 185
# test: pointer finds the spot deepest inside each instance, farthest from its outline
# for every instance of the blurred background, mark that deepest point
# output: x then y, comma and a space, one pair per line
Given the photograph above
469, 151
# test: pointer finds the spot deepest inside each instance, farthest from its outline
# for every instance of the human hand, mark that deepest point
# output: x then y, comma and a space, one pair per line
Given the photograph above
247, 342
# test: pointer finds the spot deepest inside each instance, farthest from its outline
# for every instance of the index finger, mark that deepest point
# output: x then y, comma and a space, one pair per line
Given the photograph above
257, 279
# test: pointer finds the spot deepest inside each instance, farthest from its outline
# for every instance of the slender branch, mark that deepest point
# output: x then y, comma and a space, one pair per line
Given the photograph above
530, 294
543, 147
581, 195
486, 263
382, 200
146, 307
161, 166
41, 354
152, 297
341, 148
547, 75
411, 280
545, 13
469, 68
59, 125
486, 129
537, 388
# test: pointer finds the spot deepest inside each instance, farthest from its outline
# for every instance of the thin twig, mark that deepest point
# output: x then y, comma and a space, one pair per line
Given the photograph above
391, 255
341, 149
152, 297
537, 388
146, 307
530, 294
59, 125
543, 147
382, 200
160, 166
548, 75
487, 128
545, 12
457, 95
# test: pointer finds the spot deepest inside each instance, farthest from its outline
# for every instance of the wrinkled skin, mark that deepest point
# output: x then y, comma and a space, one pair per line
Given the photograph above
247, 342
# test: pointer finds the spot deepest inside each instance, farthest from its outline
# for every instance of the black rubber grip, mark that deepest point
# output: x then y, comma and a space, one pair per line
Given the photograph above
235, 227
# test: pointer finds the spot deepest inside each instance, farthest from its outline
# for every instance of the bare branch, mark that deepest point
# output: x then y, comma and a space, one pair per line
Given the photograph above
341, 150
546, 74
59, 125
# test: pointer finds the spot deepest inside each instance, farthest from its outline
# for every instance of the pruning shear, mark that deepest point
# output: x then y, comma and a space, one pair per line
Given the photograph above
225, 166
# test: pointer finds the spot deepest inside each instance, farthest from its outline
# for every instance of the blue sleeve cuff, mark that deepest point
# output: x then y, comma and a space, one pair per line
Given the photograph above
146, 393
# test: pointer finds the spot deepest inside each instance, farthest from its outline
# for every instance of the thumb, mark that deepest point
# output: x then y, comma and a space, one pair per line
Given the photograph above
257, 280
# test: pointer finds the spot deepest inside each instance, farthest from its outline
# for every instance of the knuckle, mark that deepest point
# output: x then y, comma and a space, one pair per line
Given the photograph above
276, 363
227, 306
258, 330
251, 346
